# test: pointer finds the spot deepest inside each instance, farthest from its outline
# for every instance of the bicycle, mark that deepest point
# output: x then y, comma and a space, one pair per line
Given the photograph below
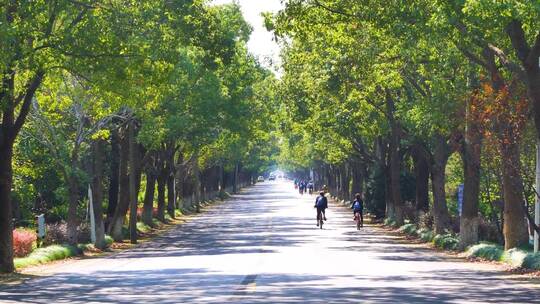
320, 218
358, 219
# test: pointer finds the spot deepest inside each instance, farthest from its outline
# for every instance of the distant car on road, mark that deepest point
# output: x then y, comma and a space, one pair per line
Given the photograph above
272, 177
260, 179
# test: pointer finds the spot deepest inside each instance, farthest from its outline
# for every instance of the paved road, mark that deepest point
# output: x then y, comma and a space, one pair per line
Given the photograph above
263, 247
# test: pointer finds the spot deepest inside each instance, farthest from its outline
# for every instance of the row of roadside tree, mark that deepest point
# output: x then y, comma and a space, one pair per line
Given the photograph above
143, 101
408, 101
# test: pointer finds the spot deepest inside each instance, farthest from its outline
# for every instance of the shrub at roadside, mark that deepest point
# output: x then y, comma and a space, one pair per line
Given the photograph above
488, 251
223, 195
156, 223
108, 240
446, 241
390, 222
48, 254
83, 236
23, 242
143, 228
532, 261
515, 257
409, 229
425, 234
56, 234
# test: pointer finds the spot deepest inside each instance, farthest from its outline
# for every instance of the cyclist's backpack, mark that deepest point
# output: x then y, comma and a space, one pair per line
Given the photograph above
320, 202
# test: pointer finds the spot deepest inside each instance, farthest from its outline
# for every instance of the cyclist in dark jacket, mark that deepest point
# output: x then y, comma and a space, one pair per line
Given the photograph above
358, 208
321, 203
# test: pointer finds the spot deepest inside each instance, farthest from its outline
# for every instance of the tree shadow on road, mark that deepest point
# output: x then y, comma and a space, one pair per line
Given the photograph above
177, 286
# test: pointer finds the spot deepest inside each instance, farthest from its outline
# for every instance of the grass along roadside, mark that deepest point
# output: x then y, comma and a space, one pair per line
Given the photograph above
447, 241
516, 258
56, 252
49, 254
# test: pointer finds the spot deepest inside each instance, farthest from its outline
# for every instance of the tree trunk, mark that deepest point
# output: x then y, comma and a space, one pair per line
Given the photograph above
339, 177
515, 227
441, 217
133, 172
357, 179
97, 193
179, 180
162, 180
533, 89
122, 207
139, 166
73, 203
114, 178
148, 205
170, 195
235, 178
197, 183
394, 160
221, 179
10, 127
6, 223
73, 194
468, 230
395, 172
421, 172
344, 182
529, 56
390, 210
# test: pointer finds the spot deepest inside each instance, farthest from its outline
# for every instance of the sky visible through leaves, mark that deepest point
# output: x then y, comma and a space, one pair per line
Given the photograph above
261, 43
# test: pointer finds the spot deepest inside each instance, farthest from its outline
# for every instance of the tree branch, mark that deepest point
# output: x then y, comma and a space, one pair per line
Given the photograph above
513, 67
30, 91
472, 57
517, 36
333, 10
534, 55
415, 84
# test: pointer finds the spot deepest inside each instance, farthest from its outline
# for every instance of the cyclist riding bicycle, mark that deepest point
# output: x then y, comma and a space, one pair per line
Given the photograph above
302, 187
310, 187
358, 208
321, 203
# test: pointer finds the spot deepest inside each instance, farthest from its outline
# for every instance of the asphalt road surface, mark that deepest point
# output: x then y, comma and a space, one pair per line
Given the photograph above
263, 247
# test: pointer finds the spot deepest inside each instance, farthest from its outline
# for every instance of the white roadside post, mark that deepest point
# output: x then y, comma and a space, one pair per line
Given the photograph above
92, 218
41, 228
